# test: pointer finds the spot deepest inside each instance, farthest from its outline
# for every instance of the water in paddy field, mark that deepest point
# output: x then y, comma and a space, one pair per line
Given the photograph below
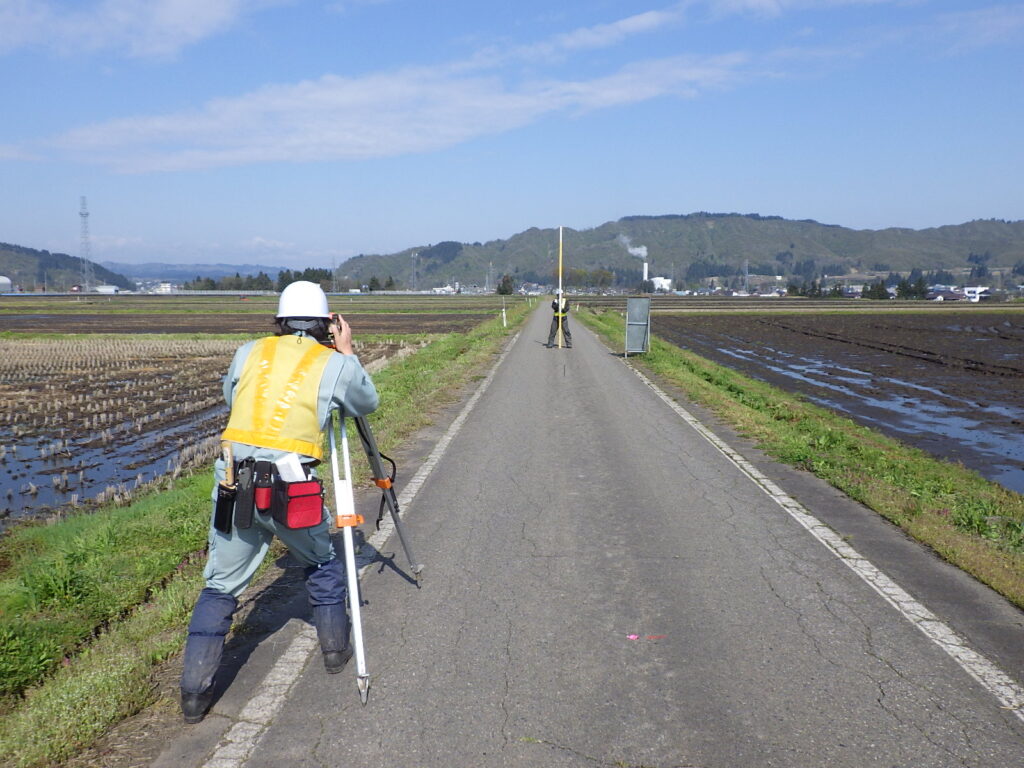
951, 384
925, 416
94, 419
41, 475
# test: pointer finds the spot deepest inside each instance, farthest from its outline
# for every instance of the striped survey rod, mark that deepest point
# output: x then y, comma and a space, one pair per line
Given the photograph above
347, 519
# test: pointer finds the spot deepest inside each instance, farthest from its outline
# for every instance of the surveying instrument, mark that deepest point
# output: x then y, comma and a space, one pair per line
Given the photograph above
347, 518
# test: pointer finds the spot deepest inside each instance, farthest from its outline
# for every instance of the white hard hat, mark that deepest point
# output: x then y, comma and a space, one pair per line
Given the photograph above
302, 299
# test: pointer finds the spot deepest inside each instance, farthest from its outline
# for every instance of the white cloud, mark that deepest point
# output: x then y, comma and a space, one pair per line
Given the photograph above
266, 244
11, 152
421, 109
583, 38
344, 6
604, 35
777, 7
983, 27
382, 114
137, 27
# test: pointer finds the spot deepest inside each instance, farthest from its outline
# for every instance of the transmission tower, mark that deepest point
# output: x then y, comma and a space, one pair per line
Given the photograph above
85, 252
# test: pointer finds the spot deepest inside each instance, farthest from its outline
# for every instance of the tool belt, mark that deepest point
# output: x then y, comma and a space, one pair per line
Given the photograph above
259, 489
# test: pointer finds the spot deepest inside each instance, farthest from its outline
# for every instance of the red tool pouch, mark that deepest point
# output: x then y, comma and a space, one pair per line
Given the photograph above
264, 482
298, 505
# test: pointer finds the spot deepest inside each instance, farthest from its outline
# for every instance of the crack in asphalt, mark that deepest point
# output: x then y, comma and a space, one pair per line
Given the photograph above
828, 602
506, 714
319, 741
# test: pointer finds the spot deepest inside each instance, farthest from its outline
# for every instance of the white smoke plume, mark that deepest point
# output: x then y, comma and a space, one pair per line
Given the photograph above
640, 251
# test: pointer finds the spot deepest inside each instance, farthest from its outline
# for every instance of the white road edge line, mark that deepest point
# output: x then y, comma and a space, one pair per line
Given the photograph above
993, 679
242, 738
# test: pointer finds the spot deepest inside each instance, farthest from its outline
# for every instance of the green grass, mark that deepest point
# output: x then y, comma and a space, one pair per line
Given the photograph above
104, 683
62, 582
976, 524
89, 604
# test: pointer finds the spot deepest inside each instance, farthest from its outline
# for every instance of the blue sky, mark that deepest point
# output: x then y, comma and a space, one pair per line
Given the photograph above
294, 132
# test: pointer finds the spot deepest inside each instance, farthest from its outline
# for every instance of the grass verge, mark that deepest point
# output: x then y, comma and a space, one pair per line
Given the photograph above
972, 522
89, 604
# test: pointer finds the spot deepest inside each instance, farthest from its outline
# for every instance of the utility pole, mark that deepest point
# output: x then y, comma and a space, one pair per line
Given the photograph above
414, 277
84, 249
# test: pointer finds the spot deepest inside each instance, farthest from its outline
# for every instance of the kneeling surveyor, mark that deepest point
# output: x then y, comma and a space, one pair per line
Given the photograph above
281, 391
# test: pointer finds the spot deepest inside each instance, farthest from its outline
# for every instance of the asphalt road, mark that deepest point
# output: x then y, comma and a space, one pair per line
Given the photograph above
603, 587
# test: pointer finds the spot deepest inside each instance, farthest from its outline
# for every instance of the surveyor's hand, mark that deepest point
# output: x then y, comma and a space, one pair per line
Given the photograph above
342, 334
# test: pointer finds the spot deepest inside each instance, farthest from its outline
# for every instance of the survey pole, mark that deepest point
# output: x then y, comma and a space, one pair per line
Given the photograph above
558, 297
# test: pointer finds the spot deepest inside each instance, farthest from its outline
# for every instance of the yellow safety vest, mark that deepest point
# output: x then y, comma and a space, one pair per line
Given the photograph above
562, 309
276, 396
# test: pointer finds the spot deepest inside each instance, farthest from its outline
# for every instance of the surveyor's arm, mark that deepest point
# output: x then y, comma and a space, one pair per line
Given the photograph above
235, 371
346, 385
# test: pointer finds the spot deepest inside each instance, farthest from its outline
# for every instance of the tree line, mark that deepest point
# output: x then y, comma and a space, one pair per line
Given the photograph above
263, 281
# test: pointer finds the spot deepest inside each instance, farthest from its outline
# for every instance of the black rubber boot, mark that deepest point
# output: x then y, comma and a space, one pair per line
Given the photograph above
335, 661
194, 706
332, 629
211, 620
326, 586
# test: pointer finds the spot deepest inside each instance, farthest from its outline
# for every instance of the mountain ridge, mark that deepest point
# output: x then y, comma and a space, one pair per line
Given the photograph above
58, 271
687, 247
696, 245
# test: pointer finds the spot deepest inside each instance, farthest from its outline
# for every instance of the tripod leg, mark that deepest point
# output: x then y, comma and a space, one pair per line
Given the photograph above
384, 483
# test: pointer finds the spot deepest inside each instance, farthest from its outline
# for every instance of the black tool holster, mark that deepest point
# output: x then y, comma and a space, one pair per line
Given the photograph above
245, 483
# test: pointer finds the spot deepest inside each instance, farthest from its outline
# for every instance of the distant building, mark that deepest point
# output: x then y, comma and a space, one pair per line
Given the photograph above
5, 284
107, 289
944, 294
164, 288
662, 284
977, 293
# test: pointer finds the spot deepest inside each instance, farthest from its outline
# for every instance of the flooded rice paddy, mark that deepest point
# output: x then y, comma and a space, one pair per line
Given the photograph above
96, 418
950, 383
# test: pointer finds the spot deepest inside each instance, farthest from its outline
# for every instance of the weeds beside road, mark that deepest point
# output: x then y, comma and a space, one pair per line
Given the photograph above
973, 523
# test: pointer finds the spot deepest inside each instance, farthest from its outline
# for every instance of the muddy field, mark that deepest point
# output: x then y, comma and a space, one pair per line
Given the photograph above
255, 323
97, 418
86, 418
950, 383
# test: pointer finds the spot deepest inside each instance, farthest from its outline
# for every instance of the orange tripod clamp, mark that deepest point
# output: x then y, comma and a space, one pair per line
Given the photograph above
349, 521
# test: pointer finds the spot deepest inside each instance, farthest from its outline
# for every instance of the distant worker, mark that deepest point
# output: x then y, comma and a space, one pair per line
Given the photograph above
561, 308
281, 390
